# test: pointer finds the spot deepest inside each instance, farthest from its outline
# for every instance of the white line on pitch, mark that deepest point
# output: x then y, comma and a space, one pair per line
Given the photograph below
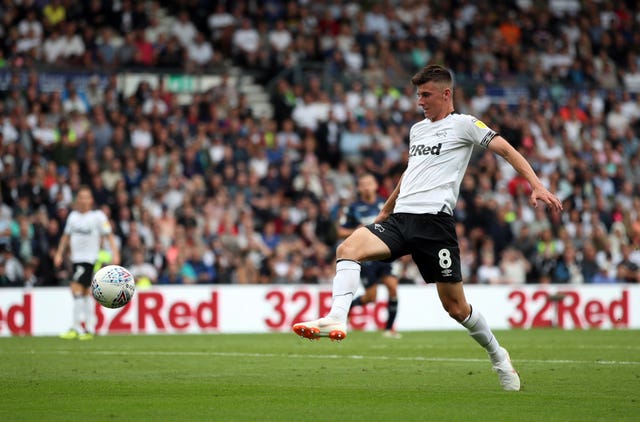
334, 356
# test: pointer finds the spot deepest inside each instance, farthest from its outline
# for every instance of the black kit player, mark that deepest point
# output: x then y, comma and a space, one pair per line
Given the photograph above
359, 213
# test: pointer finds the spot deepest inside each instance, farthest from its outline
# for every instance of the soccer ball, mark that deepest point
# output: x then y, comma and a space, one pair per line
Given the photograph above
113, 286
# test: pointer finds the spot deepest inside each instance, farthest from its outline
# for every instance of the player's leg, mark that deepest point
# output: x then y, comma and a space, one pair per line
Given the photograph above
368, 277
361, 245
455, 303
437, 256
370, 294
77, 310
391, 282
82, 302
88, 321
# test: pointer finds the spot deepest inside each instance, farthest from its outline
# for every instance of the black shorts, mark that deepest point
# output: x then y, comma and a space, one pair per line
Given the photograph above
373, 271
430, 239
82, 273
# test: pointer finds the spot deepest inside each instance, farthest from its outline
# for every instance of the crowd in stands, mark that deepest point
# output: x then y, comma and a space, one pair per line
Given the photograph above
212, 192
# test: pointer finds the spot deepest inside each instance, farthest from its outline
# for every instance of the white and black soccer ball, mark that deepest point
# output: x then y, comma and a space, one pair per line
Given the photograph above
113, 286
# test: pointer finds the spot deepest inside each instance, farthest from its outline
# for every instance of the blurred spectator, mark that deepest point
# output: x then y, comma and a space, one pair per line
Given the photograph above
171, 53
11, 269
567, 268
200, 53
107, 48
480, 101
53, 47
627, 271
74, 100
54, 13
145, 54
514, 267
184, 30
221, 24
245, 44
73, 46
488, 271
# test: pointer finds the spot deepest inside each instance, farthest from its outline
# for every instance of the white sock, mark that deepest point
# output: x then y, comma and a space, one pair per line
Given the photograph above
345, 285
78, 312
479, 330
88, 314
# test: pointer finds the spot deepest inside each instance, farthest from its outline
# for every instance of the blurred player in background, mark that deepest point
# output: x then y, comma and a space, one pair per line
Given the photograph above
84, 231
360, 213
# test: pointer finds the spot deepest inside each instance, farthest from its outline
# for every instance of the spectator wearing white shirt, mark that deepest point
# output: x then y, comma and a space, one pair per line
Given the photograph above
141, 137
29, 44
30, 24
144, 272
279, 37
376, 21
73, 45
155, 28
353, 59
629, 107
199, 53
74, 101
94, 92
60, 192
54, 47
184, 30
631, 77
221, 24
513, 267
309, 112
617, 120
345, 39
42, 132
480, 101
594, 103
488, 271
550, 153
155, 105
246, 43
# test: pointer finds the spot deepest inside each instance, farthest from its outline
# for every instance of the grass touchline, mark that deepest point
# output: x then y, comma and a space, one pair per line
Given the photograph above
333, 356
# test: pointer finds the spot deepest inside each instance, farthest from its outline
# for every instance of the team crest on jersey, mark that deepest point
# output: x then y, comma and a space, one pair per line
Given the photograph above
480, 124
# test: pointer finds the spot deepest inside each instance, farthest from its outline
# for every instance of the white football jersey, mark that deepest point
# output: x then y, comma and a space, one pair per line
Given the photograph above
85, 232
439, 153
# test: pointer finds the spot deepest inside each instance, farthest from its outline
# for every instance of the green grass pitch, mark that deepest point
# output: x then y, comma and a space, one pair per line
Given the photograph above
425, 376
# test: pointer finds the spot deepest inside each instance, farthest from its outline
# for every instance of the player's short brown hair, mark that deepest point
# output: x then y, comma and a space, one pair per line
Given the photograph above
433, 73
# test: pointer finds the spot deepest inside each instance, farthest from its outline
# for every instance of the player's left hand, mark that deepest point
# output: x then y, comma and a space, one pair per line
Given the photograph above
542, 194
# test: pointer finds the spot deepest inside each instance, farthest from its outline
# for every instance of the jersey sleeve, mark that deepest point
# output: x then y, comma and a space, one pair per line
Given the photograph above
476, 131
105, 225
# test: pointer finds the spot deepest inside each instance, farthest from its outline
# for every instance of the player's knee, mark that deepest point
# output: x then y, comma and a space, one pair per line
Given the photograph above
456, 310
346, 251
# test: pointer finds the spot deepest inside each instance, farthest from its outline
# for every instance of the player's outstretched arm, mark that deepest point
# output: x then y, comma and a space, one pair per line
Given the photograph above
62, 246
500, 146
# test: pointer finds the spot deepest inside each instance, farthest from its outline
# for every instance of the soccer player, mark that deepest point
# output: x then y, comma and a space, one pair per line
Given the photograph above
362, 212
84, 231
417, 218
